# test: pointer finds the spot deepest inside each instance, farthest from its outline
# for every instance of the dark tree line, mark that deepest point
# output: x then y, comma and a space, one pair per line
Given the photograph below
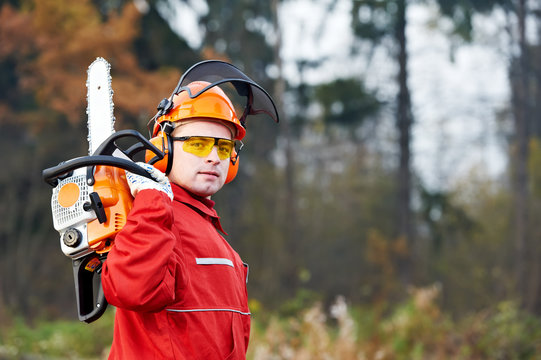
317, 210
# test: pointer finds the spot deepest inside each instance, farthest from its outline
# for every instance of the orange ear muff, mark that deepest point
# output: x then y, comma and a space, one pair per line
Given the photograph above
233, 167
162, 142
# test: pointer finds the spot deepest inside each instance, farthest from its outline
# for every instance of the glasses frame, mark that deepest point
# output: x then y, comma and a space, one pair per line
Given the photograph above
216, 139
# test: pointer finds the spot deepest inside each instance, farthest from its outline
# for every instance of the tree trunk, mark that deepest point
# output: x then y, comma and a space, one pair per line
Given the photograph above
521, 104
404, 121
290, 240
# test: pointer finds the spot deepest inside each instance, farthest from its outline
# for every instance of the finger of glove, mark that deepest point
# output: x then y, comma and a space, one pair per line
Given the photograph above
134, 179
137, 183
156, 174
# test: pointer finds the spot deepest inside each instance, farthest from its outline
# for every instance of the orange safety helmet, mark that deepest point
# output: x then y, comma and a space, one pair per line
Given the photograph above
212, 104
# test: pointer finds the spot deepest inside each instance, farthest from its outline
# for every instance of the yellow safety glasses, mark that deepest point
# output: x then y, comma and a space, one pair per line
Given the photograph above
202, 145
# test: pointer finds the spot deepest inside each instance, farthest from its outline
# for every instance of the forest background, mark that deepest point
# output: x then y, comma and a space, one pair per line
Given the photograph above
328, 208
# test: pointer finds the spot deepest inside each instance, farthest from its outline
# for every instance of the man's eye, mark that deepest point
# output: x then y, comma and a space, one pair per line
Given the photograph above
197, 144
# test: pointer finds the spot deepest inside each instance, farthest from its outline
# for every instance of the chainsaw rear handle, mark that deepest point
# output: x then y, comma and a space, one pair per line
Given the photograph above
91, 302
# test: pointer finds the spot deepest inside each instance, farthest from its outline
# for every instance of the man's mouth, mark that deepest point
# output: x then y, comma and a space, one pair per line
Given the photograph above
211, 173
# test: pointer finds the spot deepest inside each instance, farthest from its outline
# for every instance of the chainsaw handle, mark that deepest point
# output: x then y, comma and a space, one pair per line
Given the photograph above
51, 175
104, 155
91, 301
110, 145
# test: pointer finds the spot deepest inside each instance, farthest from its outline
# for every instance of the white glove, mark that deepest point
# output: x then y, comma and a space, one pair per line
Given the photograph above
138, 182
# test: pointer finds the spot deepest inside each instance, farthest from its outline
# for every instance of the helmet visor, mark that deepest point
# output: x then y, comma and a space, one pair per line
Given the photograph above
216, 72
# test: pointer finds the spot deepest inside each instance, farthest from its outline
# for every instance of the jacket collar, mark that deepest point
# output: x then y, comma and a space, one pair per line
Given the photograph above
202, 205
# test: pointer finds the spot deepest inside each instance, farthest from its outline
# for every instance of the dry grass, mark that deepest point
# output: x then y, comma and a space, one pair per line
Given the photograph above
416, 329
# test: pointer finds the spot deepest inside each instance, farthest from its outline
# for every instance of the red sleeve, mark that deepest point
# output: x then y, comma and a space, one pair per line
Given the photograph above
141, 269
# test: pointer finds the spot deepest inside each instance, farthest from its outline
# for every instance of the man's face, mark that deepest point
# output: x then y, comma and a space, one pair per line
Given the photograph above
203, 176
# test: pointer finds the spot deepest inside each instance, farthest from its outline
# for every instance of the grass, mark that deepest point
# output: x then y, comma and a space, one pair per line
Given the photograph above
415, 329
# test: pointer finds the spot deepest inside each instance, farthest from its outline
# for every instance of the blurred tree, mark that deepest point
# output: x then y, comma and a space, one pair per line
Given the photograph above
349, 199
237, 30
348, 99
519, 76
346, 102
290, 243
314, 212
377, 21
443, 218
156, 45
381, 20
475, 226
523, 83
533, 290
70, 35
46, 47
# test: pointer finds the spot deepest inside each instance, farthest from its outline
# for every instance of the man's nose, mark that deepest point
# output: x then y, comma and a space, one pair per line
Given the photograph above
213, 156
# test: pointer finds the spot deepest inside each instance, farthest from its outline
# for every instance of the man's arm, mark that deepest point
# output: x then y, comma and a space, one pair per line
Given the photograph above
141, 270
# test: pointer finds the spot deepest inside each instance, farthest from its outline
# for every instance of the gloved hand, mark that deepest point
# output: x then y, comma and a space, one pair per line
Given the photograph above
138, 182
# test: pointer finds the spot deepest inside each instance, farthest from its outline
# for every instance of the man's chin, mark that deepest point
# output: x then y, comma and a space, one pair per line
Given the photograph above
207, 191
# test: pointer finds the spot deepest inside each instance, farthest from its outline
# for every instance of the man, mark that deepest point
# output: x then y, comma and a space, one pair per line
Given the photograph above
179, 287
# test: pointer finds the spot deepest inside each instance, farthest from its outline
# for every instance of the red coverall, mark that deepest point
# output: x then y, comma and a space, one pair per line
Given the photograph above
179, 287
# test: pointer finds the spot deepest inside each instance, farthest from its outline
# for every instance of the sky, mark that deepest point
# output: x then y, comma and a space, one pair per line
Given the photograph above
454, 101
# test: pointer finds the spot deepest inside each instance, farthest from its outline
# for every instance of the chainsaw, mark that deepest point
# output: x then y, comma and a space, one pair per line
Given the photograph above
91, 198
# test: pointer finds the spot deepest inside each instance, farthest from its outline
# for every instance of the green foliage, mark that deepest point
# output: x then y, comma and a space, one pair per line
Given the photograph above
345, 102
445, 219
157, 46
417, 328
461, 13
510, 333
304, 299
236, 30
534, 169
57, 339
471, 231
372, 19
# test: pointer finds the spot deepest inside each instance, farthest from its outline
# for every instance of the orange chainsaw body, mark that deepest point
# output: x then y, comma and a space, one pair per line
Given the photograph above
112, 187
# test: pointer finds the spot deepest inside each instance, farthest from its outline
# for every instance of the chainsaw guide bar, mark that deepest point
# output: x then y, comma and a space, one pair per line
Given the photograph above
100, 103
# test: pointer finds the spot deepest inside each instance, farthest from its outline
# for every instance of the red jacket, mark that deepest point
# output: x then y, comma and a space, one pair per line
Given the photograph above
179, 287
